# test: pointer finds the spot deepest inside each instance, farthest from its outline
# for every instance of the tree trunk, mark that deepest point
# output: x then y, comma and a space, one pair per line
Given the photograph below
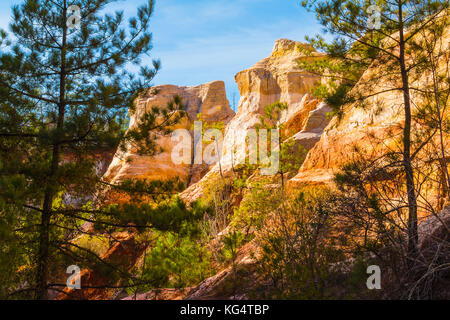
407, 163
44, 231
218, 156
43, 254
445, 173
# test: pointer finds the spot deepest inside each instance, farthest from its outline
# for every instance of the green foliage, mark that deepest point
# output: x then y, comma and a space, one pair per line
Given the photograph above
218, 197
231, 244
145, 190
291, 155
152, 125
253, 210
169, 215
98, 244
272, 114
403, 50
298, 249
355, 46
242, 173
65, 95
176, 262
14, 259
213, 125
177, 255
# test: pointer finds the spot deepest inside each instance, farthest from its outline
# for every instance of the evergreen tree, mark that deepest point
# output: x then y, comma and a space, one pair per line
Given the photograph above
66, 87
382, 33
291, 154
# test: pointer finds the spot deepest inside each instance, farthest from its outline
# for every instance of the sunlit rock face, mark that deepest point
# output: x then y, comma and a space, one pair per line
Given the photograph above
275, 78
366, 127
373, 127
208, 99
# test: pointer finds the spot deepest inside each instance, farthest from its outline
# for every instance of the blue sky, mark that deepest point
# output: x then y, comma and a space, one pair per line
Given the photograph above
204, 40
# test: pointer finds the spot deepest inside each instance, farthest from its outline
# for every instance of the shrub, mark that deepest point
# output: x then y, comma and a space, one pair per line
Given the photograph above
176, 261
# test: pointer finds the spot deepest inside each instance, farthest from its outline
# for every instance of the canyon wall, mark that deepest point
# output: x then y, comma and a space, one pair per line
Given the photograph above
375, 126
208, 99
371, 127
365, 130
275, 78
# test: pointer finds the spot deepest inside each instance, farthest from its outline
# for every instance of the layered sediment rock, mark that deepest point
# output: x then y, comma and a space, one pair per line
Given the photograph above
367, 131
374, 126
208, 99
275, 78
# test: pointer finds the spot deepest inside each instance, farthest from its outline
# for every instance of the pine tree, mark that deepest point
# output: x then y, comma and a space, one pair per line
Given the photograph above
66, 87
291, 155
387, 42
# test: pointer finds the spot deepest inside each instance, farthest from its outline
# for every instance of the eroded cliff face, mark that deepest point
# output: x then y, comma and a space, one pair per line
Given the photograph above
373, 128
375, 125
275, 78
208, 99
